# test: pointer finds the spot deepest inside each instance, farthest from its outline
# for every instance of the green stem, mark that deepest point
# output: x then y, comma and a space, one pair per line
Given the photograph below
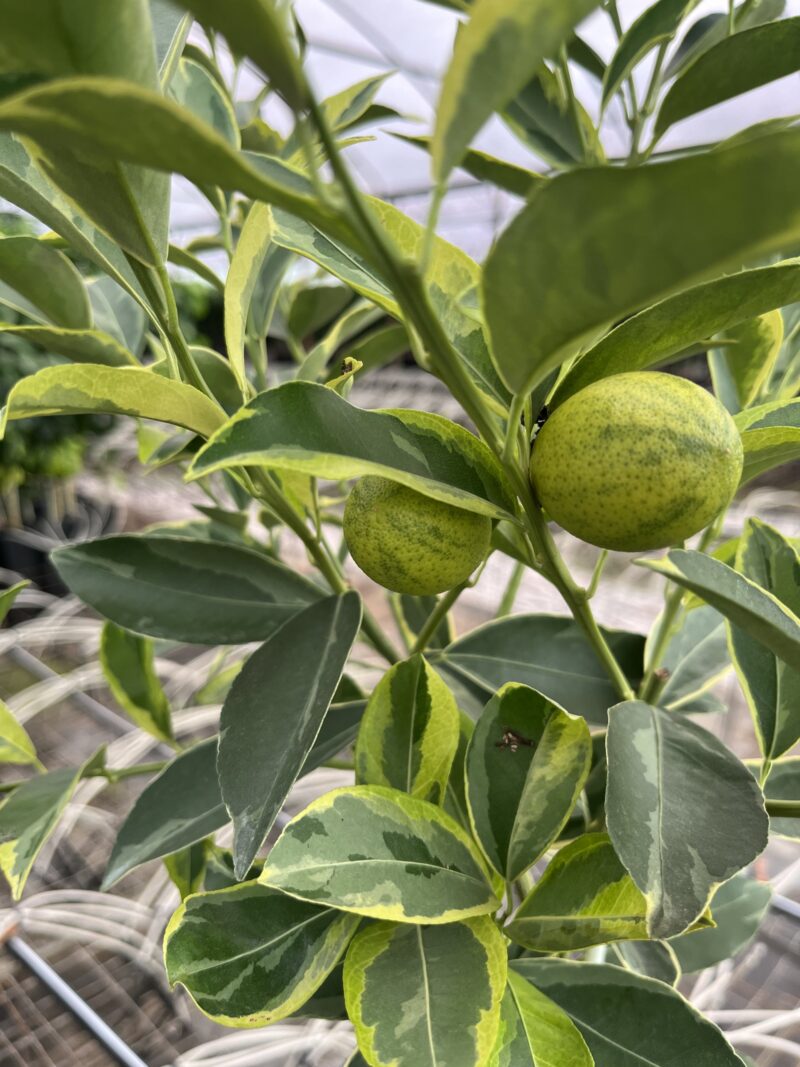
506, 605
438, 614
649, 106
653, 680
563, 60
783, 809
630, 115
576, 599
597, 574
172, 328
109, 773
731, 17
513, 428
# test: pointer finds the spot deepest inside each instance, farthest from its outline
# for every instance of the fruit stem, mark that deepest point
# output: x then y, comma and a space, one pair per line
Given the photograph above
506, 604
575, 597
438, 614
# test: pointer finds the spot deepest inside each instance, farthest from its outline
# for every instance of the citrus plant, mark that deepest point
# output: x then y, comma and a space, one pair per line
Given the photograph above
540, 835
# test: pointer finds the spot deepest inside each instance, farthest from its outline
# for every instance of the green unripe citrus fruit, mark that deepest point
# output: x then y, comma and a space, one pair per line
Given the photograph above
637, 461
409, 542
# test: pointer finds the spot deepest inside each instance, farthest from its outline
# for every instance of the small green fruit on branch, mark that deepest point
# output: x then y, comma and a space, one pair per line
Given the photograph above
410, 543
637, 461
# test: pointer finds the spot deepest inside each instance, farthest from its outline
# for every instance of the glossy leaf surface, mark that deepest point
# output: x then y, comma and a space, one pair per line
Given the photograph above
661, 772
273, 713
426, 996
250, 956
526, 764
380, 853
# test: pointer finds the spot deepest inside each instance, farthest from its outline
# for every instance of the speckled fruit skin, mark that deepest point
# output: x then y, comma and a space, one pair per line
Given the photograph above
411, 543
637, 461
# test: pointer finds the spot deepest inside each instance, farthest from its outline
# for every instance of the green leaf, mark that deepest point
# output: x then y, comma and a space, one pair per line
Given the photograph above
8, 596
193, 87
74, 389
770, 436
182, 589
250, 956
339, 730
187, 868
306, 427
656, 25
783, 783
662, 771
99, 116
170, 29
494, 55
81, 346
736, 65
737, 909
257, 29
535, 1032
671, 326
743, 603
547, 653
409, 733
771, 687
22, 183
426, 996
345, 108
485, 168
129, 669
541, 117
585, 897
628, 1020
181, 806
653, 959
380, 853
47, 279
696, 657
15, 745
29, 816
450, 274
526, 765
747, 360
243, 275
96, 38
273, 713
638, 234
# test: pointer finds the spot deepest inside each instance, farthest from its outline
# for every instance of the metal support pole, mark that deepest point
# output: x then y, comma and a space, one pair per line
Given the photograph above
86, 1016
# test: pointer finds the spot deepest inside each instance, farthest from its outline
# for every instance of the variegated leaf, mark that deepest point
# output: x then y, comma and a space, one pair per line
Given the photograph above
409, 733
628, 1020
662, 771
188, 790
695, 658
770, 685
426, 996
302, 426
15, 745
29, 816
526, 765
737, 908
770, 436
380, 853
585, 897
249, 955
745, 604
535, 1032
273, 713
129, 668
